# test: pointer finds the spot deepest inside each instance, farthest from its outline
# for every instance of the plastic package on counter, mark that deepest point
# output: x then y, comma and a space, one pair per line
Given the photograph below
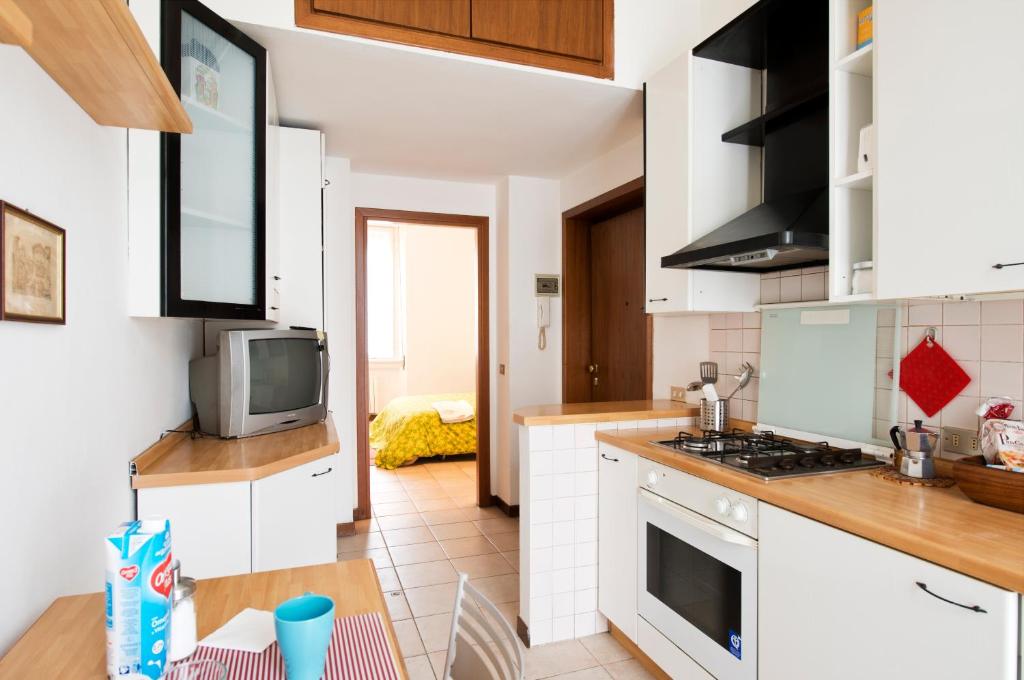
996, 408
1002, 443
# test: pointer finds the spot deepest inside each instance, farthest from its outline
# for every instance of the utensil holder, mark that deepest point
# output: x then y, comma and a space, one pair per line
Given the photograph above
714, 415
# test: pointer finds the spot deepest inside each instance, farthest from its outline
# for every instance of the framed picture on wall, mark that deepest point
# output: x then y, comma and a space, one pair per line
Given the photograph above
32, 267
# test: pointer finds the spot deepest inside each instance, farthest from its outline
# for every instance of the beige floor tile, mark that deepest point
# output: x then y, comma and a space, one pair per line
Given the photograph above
459, 489
416, 553
437, 662
388, 509
505, 542
605, 648
628, 670
595, 673
398, 608
431, 599
408, 638
386, 496
397, 537
467, 547
360, 542
491, 512
413, 519
419, 668
499, 589
512, 557
388, 579
435, 631
479, 566
429, 504
410, 471
386, 484
510, 610
457, 530
365, 526
498, 525
427, 494
468, 501
426, 574
545, 661
444, 516
421, 483
381, 558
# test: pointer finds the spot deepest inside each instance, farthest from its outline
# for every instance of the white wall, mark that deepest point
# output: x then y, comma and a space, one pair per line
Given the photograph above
622, 164
347, 191
78, 401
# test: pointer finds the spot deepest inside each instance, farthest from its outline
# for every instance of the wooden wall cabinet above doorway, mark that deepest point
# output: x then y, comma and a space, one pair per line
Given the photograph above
565, 35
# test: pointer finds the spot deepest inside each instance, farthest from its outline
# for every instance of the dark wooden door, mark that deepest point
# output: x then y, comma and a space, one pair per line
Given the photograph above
618, 323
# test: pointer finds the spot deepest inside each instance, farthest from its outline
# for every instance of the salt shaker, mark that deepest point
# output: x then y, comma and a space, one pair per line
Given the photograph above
183, 615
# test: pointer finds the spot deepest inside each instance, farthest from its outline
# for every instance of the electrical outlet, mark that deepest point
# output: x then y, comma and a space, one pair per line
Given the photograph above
960, 440
678, 393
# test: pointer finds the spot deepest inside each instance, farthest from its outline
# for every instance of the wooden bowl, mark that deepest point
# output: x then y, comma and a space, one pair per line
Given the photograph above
998, 488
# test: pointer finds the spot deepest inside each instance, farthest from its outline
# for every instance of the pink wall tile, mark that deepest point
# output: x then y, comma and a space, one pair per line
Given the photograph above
1002, 343
1002, 311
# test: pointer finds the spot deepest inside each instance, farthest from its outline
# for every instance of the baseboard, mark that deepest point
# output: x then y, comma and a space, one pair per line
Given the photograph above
510, 510
346, 529
522, 631
631, 647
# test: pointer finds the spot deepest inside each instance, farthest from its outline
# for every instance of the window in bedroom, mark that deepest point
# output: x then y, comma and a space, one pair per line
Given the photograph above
384, 303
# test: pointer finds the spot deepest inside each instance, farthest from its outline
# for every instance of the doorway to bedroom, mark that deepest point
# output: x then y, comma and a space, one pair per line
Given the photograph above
422, 385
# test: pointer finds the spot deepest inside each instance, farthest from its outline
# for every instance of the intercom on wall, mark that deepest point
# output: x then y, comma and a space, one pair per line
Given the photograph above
546, 286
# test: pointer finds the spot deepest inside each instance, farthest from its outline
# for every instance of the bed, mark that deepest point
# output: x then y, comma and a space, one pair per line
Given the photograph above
409, 428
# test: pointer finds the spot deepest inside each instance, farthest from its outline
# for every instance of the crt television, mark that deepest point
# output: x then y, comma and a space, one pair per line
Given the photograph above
260, 381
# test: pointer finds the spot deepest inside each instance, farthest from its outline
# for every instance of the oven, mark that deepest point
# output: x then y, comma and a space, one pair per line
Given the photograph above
697, 576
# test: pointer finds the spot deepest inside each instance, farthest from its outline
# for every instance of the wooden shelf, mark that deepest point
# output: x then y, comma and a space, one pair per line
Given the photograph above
860, 62
96, 52
863, 181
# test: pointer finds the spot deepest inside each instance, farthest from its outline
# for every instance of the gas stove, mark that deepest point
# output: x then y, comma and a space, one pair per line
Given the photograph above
768, 456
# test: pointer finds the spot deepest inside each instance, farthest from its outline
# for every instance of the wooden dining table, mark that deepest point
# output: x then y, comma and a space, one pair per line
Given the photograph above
69, 640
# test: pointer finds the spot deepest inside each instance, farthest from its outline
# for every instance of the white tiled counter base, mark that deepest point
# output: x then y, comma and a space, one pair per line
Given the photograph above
558, 527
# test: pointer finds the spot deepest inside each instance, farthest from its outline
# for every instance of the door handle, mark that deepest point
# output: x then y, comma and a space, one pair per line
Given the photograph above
657, 299
614, 460
592, 368
318, 474
973, 608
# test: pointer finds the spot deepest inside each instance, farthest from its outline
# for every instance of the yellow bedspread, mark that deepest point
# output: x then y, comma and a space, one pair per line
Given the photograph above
409, 428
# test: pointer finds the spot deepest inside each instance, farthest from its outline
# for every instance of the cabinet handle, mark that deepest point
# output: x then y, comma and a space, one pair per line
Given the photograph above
317, 474
657, 300
1008, 264
277, 278
973, 608
614, 460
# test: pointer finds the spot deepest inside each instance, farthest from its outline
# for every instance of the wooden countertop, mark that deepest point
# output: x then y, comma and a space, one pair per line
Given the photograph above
939, 525
69, 639
603, 412
178, 460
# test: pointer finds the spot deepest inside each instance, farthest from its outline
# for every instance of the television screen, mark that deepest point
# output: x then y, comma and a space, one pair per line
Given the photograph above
284, 374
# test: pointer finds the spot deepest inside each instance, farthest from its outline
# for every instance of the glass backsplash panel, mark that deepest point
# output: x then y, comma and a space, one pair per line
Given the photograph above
819, 371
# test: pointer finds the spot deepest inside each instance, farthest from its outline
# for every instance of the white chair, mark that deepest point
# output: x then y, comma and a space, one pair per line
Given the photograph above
482, 644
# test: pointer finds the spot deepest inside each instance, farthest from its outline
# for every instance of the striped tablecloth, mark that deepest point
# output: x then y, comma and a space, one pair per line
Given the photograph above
358, 651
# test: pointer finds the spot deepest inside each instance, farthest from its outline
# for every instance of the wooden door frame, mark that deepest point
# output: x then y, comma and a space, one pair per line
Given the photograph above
483, 385
576, 273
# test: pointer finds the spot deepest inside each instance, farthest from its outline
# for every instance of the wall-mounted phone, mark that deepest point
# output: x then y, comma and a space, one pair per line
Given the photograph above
546, 286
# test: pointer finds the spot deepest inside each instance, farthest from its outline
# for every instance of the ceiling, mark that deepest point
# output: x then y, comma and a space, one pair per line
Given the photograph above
394, 111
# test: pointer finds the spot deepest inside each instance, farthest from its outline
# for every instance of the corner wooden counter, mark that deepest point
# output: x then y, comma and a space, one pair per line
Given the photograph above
178, 460
603, 412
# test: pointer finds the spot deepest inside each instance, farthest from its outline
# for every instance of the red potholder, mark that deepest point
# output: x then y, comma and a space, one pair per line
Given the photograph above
931, 377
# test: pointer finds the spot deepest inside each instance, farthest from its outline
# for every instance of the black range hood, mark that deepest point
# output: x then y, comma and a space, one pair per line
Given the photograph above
781, 234
788, 39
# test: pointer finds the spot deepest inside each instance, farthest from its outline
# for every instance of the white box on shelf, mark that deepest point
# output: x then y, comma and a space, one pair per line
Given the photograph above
866, 149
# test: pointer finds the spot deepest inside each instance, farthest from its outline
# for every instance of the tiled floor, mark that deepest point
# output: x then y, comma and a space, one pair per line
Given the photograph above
427, 528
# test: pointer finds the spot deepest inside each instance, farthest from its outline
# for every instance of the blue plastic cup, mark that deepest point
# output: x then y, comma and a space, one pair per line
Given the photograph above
304, 625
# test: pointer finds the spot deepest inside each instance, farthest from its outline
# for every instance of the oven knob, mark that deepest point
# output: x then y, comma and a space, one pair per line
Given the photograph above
739, 512
722, 505
652, 478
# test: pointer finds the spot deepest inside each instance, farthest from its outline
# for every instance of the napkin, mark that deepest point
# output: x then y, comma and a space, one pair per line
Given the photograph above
251, 630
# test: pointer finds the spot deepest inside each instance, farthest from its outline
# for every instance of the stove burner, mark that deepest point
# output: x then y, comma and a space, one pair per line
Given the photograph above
787, 464
827, 459
807, 461
848, 457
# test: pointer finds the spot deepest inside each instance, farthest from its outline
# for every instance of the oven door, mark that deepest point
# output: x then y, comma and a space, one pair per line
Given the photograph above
698, 585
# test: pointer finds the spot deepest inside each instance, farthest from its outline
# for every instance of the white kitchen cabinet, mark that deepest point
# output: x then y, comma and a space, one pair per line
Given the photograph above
834, 605
694, 181
617, 544
293, 516
210, 525
949, 181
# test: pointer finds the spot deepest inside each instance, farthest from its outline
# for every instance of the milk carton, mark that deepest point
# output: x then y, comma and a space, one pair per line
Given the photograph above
138, 587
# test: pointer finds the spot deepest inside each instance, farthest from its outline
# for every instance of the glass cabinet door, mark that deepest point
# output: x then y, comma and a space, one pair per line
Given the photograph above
214, 178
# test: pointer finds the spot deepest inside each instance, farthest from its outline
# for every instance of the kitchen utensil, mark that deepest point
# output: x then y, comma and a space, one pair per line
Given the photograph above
710, 393
915, 450
304, 625
708, 372
990, 486
695, 386
746, 370
931, 377
714, 414
207, 669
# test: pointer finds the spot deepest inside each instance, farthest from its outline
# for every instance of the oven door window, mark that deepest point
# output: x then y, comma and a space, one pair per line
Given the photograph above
696, 586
